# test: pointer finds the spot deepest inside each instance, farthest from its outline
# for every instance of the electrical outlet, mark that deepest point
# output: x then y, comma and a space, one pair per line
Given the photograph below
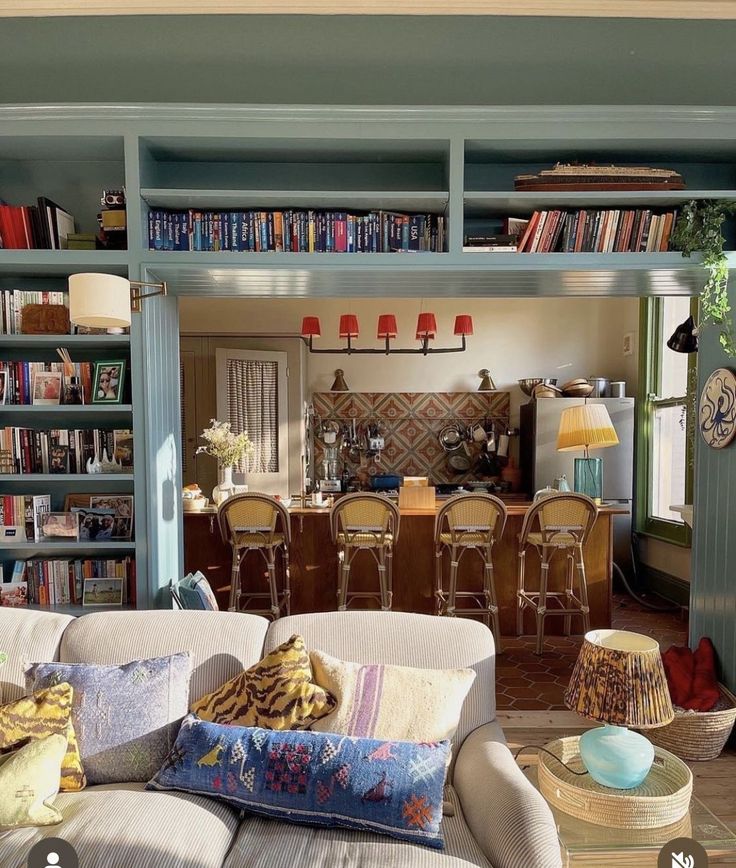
628, 344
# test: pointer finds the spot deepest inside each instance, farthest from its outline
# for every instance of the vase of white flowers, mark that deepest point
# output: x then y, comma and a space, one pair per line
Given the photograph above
229, 449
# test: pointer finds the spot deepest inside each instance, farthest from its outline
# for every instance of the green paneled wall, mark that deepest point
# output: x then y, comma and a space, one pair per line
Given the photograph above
370, 60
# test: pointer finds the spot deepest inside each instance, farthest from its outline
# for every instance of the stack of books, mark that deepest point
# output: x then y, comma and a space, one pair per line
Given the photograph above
64, 451
598, 231
296, 231
19, 379
19, 516
12, 302
44, 226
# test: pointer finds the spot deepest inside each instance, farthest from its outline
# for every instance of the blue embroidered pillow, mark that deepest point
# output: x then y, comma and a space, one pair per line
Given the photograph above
319, 778
126, 717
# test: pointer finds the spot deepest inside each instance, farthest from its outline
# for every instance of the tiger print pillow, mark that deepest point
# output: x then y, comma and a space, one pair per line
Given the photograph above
277, 693
43, 713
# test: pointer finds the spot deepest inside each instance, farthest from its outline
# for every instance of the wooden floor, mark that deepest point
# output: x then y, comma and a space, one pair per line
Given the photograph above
714, 782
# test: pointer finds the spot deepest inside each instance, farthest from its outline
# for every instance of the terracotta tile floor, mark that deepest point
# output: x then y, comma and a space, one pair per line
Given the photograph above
526, 682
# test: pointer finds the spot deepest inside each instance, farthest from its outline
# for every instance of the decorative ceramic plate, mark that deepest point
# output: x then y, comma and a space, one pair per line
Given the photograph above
717, 411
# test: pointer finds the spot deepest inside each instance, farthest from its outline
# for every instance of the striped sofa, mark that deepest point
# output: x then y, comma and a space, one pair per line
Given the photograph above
495, 818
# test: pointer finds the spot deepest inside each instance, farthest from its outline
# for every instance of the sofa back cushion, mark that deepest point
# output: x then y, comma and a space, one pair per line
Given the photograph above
404, 639
221, 644
27, 636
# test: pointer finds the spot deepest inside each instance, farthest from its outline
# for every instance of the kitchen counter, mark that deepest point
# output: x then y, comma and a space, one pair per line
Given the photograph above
313, 559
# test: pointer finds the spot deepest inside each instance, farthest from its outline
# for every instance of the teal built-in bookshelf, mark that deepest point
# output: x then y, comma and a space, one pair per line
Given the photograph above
457, 161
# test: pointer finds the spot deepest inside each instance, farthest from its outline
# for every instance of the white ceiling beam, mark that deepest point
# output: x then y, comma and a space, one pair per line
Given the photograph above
674, 9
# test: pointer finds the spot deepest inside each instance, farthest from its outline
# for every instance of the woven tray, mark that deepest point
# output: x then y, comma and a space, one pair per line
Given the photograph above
663, 798
698, 735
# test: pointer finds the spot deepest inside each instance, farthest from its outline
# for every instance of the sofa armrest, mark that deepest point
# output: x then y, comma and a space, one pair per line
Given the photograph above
508, 817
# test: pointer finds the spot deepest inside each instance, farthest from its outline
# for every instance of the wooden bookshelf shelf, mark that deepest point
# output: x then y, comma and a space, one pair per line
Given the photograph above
72, 342
60, 263
77, 410
65, 478
339, 200
30, 548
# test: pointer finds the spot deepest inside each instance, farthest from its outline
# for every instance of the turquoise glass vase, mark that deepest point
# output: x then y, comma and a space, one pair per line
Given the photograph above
616, 756
589, 477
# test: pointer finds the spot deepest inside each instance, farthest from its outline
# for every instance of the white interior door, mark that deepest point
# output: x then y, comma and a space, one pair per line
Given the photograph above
252, 394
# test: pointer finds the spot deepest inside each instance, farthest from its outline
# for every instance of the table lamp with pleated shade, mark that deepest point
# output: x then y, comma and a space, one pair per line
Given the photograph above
582, 428
619, 680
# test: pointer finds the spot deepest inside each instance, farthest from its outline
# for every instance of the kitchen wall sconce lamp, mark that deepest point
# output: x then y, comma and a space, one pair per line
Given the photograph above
107, 300
387, 330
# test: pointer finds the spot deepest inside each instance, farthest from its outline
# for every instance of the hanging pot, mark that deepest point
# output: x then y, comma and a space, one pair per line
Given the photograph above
459, 461
450, 438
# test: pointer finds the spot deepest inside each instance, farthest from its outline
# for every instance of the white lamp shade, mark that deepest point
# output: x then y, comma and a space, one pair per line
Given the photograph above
99, 300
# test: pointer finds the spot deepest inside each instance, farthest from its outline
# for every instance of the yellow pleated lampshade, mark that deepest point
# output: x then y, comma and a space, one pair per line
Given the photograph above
619, 679
587, 426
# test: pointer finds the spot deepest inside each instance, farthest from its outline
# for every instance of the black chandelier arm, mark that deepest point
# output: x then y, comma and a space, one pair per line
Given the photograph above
423, 350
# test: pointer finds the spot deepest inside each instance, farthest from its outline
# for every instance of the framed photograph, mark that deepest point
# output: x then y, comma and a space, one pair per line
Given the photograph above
102, 592
123, 447
76, 500
3, 386
58, 459
95, 525
109, 379
13, 594
47, 387
58, 525
122, 504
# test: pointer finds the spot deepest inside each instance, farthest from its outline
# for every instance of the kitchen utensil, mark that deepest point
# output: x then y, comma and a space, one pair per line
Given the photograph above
617, 389
503, 446
527, 385
577, 390
544, 390
600, 386
450, 437
478, 432
459, 461
561, 483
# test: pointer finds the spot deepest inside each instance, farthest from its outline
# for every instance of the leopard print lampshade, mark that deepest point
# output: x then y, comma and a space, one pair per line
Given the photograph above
619, 679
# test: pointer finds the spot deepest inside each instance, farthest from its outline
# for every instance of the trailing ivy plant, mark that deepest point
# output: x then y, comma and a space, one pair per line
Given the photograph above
699, 230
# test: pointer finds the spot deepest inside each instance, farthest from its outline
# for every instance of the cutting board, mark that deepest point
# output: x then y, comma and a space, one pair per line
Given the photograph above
417, 497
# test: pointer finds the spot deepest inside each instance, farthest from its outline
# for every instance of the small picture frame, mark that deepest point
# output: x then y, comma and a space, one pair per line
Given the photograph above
14, 594
58, 458
47, 387
102, 592
95, 525
108, 383
58, 525
3, 386
122, 504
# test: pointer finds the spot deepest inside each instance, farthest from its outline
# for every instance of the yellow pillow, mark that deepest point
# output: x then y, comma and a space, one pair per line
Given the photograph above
276, 693
29, 780
43, 713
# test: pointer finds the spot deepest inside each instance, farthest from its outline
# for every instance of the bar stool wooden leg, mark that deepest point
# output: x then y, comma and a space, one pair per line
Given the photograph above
585, 608
271, 565
450, 610
492, 601
287, 579
234, 582
438, 593
542, 599
568, 588
342, 589
390, 575
519, 594
382, 578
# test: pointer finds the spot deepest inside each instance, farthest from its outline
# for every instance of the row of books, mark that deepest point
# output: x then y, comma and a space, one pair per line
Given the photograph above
43, 226
56, 450
56, 582
12, 302
598, 231
17, 379
22, 511
295, 231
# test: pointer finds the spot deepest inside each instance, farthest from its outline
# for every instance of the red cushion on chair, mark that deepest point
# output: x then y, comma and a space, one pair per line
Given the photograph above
705, 692
679, 667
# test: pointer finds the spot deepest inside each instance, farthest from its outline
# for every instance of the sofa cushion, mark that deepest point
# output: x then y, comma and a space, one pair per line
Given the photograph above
323, 779
126, 717
43, 713
404, 639
121, 825
391, 702
222, 644
277, 693
36, 770
262, 843
27, 635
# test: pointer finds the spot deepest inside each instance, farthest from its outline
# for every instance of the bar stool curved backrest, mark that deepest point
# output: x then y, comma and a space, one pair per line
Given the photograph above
565, 521
368, 522
469, 522
257, 522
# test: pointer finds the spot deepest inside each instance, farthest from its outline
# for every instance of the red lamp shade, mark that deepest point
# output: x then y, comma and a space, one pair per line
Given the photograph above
349, 325
426, 326
311, 327
387, 326
463, 324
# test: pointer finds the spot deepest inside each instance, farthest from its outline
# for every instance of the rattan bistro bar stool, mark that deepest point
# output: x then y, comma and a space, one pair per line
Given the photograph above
469, 522
365, 522
565, 521
257, 522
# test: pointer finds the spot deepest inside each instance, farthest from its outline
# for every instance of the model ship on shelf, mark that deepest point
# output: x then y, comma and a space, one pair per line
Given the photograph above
567, 177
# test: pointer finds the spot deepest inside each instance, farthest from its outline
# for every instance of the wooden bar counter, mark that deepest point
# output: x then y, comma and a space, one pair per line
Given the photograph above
314, 564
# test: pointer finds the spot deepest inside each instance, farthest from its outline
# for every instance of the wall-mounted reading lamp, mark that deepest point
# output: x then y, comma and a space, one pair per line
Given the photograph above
106, 300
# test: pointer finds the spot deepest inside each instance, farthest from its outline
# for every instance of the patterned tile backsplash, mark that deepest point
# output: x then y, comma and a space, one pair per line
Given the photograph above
411, 423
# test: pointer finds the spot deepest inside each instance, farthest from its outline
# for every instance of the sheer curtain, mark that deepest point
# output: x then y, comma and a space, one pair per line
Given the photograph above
252, 402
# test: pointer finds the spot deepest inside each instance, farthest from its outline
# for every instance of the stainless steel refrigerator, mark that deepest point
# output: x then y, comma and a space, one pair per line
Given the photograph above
541, 463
